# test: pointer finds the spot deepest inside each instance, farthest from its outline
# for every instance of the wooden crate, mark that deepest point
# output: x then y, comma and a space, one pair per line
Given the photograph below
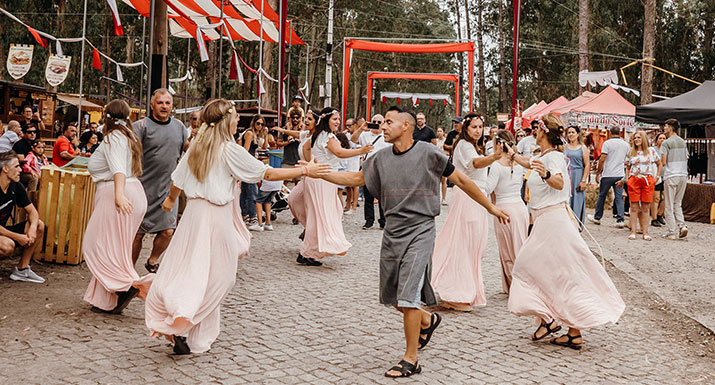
65, 204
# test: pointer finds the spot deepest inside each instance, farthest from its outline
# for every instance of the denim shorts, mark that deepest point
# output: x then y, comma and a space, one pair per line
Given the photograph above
266, 196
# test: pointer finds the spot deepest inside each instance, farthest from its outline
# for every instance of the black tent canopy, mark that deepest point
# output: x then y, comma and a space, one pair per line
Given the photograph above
693, 107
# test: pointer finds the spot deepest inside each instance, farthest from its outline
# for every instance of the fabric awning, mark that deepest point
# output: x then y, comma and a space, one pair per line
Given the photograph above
73, 99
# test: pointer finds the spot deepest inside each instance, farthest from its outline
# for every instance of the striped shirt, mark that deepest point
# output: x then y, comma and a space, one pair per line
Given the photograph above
676, 152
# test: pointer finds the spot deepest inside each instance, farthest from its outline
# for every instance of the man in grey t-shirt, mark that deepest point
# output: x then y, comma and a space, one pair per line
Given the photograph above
411, 201
675, 174
610, 174
163, 139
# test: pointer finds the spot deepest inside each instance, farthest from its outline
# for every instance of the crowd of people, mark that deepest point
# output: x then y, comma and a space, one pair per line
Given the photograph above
532, 185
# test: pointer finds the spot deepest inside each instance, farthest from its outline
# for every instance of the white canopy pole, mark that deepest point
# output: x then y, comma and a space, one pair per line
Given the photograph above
81, 67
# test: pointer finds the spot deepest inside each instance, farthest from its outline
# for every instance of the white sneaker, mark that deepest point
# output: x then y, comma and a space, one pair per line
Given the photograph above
268, 228
26, 275
444, 203
255, 227
593, 219
670, 236
683, 232
620, 224
348, 212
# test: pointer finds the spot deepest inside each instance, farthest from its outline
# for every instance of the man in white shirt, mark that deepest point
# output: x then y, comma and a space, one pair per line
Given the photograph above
675, 178
364, 136
610, 174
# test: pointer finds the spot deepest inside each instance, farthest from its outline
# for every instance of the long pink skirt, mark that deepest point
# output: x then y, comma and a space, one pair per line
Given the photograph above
557, 277
323, 220
458, 251
296, 202
244, 235
107, 246
510, 238
198, 271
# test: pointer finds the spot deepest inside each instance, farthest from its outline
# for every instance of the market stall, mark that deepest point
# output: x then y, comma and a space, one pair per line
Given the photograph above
15, 96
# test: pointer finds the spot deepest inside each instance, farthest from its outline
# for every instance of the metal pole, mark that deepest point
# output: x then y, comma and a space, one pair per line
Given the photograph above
307, 74
287, 83
283, 9
141, 71
151, 54
81, 67
220, 53
517, 21
186, 82
260, 60
329, 60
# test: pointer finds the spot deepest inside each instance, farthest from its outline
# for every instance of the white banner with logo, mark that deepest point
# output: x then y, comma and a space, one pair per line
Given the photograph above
19, 60
57, 69
604, 121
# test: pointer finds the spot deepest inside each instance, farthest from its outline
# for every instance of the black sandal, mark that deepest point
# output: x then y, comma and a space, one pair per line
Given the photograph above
405, 368
180, 346
124, 298
151, 268
569, 343
433, 325
548, 328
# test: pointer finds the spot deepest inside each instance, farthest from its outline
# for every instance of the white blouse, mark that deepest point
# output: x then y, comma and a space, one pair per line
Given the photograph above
233, 163
505, 183
464, 154
302, 136
321, 153
540, 193
113, 156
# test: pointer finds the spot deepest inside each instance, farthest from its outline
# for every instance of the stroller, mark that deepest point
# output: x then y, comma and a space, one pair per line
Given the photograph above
280, 202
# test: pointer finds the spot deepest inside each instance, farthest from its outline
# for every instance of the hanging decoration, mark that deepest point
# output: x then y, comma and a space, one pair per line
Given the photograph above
118, 30
96, 61
415, 97
57, 69
598, 77
37, 37
19, 60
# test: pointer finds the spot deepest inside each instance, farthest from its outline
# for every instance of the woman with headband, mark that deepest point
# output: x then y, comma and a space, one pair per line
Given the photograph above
199, 267
323, 221
119, 207
556, 278
504, 182
459, 247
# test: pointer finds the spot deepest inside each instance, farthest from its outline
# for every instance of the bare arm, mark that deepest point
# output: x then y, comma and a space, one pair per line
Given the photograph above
555, 181
485, 161
334, 147
293, 133
361, 127
434, 141
168, 203
311, 169
247, 139
467, 185
586, 164
346, 178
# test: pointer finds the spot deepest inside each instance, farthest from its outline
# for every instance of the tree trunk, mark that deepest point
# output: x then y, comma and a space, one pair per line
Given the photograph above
103, 83
469, 37
461, 55
210, 92
482, 82
648, 46
505, 102
583, 37
268, 100
2, 52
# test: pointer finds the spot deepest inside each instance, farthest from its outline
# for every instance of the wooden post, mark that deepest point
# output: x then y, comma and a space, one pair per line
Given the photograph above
160, 47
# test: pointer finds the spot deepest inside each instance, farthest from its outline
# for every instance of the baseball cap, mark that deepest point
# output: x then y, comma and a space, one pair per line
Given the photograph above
457, 119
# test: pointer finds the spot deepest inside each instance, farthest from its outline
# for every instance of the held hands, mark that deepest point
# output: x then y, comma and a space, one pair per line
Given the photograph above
502, 216
23, 240
122, 204
168, 204
362, 124
314, 169
598, 178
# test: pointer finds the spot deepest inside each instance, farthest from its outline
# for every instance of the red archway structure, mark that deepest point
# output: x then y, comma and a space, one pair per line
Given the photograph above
365, 45
417, 76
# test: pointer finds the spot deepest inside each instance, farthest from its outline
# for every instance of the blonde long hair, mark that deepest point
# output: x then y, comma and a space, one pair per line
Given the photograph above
644, 143
117, 118
215, 131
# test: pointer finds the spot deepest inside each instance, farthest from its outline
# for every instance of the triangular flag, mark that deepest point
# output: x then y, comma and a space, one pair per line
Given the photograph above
37, 37
417, 102
120, 78
384, 100
399, 101
118, 30
96, 62
171, 90
431, 102
58, 48
445, 102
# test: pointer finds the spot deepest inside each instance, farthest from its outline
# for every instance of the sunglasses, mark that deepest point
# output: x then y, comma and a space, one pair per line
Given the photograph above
194, 118
260, 124
31, 132
377, 121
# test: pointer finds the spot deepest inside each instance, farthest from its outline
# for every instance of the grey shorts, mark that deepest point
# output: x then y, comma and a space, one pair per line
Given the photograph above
266, 196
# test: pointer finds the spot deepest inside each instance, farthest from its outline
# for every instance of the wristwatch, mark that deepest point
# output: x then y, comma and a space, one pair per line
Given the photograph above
548, 175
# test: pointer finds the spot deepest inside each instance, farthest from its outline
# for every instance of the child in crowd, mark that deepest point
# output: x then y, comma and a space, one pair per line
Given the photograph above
266, 193
35, 159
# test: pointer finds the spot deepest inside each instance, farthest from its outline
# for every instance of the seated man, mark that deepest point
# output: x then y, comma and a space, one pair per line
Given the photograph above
28, 234
66, 146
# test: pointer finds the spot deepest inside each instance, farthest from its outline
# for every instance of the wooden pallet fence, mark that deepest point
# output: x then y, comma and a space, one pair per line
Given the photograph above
65, 204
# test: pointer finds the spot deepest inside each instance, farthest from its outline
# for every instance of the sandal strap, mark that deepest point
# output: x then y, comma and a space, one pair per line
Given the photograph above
431, 323
548, 326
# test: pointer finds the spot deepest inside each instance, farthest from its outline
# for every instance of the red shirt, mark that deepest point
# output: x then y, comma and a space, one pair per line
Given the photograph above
61, 145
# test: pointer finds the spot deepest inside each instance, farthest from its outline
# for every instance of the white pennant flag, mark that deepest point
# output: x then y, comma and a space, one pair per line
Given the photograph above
171, 90
119, 74
58, 48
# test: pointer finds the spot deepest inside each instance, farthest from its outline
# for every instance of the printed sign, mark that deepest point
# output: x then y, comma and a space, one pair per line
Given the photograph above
604, 121
19, 60
57, 69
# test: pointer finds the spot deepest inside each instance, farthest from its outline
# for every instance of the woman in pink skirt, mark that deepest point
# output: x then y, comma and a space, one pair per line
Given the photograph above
459, 247
199, 267
504, 182
323, 211
119, 207
556, 278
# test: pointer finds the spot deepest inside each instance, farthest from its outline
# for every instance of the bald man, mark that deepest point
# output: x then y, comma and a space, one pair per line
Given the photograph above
411, 201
